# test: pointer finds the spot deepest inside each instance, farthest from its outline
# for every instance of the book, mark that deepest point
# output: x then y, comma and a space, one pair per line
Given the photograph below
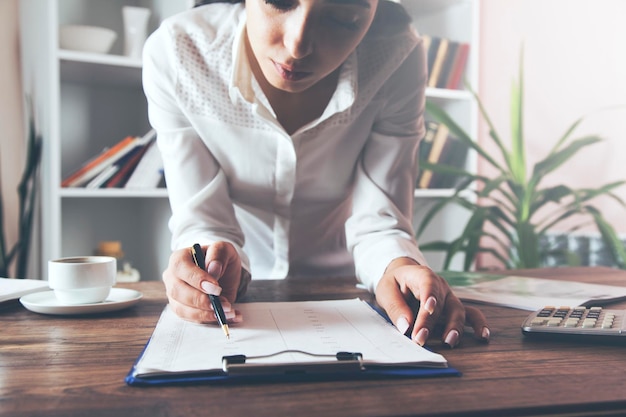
526, 293
13, 288
149, 170
425, 146
439, 140
103, 177
99, 163
440, 56
305, 338
448, 64
458, 68
454, 154
126, 167
433, 45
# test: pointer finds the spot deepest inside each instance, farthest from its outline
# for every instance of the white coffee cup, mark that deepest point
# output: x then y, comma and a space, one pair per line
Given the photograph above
82, 279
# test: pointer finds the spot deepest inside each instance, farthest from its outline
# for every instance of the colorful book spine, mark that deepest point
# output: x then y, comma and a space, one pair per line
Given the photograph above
458, 68
99, 163
447, 60
439, 141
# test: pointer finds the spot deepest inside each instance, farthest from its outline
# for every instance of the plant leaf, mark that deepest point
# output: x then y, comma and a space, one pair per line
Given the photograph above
517, 162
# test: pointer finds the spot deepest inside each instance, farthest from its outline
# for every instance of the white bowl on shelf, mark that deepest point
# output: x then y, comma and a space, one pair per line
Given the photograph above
86, 38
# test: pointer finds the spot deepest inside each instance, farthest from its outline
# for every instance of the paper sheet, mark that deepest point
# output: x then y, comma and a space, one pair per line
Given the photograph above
13, 288
316, 327
532, 294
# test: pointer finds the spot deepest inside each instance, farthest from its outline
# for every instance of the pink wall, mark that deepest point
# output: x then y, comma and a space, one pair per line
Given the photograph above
575, 64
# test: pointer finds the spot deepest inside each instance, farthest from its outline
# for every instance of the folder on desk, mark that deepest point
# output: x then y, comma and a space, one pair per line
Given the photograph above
284, 341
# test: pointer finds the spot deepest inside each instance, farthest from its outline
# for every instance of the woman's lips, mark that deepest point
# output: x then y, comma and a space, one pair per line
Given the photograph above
289, 74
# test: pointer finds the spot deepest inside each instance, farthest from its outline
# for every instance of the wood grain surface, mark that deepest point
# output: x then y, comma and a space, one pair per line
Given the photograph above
75, 366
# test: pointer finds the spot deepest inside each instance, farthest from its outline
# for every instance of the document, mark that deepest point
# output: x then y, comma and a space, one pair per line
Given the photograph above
527, 293
282, 332
14, 288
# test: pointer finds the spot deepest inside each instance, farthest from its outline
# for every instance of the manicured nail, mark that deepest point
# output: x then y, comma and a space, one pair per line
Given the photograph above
230, 315
215, 269
486, 333
209, 288
430, 305
226, 306
422, 336
402, 325
452, 338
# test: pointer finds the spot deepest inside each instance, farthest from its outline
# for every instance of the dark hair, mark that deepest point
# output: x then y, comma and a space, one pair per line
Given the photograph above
389, 14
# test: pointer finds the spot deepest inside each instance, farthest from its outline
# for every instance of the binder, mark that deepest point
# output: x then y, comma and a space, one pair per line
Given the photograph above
387, 355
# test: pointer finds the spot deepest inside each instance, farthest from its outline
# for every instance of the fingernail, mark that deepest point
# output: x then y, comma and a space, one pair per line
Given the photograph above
402, 325
422, 336
226, 306
209, 288
486, 333
230, 315
430, 305
452, 338
215, 269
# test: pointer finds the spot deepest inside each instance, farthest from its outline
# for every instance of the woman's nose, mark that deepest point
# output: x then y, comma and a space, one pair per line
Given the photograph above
298, 36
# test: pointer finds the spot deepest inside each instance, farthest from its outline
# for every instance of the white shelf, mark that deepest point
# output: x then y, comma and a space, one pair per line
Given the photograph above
101, 59
85, 102
428, 6
444, 94
112, 193
457, 20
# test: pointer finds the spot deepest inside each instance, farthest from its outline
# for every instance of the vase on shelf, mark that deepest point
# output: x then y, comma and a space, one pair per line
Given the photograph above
135, 29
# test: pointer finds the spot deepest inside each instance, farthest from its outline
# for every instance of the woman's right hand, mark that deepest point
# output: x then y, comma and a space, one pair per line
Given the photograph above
187, 285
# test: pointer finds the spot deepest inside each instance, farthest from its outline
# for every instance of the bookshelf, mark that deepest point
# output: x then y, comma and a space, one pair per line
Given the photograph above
86, 101
456, 20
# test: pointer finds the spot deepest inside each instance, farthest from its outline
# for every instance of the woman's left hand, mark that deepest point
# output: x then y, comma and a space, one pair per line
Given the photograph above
404, 281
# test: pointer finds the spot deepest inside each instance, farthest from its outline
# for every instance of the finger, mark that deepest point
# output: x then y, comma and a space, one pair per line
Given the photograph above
217, 256
476, 319
192, 314
182, 267
181, 291
425, 319
224, 264
455, 315
431, 294
391, 299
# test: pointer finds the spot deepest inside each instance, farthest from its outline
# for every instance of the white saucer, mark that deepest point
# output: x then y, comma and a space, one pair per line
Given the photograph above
47, 303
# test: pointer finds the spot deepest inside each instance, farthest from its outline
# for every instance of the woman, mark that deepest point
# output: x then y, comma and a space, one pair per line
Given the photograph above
289, 130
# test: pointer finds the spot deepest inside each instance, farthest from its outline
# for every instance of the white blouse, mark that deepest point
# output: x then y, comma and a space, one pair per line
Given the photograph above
335, 198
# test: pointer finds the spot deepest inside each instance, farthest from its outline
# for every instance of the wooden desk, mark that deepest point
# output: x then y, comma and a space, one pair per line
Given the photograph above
75, 366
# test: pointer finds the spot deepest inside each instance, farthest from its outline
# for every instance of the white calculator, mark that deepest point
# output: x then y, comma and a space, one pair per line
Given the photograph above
592, 324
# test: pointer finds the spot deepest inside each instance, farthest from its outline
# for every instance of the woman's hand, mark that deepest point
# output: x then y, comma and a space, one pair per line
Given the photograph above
405, 281
187, 285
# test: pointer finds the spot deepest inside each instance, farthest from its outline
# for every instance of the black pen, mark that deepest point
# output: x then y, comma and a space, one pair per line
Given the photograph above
198, 257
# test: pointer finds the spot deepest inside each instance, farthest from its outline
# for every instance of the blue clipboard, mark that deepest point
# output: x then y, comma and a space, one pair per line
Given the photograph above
346, 367
341, 371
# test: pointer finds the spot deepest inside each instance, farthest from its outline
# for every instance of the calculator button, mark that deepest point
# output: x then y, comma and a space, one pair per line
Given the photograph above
587, 323
553, 322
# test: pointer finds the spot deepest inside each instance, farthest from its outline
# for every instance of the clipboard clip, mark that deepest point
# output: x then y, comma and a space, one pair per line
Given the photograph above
344, 362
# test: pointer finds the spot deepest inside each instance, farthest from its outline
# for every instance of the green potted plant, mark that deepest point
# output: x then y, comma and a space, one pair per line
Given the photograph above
513, 210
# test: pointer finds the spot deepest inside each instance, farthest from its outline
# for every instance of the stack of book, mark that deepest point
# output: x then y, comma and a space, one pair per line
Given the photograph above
440, 147
446, 62
133, 162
